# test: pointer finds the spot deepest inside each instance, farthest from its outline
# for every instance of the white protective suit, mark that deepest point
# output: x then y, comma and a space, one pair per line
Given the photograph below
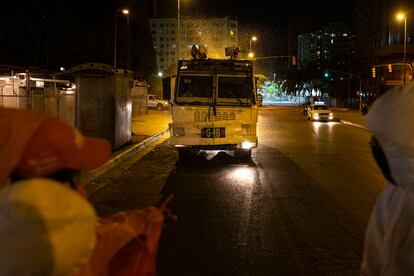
389, 241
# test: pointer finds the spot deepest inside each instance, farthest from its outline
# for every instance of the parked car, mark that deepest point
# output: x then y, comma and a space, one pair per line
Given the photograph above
156, 102
320, 112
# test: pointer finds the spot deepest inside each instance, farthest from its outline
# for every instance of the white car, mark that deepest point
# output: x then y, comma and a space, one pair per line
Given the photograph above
156, 102
319, 112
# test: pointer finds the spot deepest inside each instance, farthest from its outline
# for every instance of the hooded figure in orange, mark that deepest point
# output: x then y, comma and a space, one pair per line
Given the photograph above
17, 128
38, 153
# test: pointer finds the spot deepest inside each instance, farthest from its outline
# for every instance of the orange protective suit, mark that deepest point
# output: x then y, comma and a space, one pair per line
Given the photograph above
126, 244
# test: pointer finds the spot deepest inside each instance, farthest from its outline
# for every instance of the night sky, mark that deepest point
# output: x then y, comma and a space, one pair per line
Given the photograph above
52, 33
273, 11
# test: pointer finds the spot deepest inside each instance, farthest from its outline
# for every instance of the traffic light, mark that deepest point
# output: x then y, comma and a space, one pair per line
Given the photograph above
373, 72
326, 74
293, 60
390, 68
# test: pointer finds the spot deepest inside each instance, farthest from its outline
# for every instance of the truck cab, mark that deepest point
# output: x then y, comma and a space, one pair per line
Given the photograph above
214, 106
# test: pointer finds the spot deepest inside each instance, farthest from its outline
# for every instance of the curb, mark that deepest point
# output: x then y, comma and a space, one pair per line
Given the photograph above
353, 124
121, 156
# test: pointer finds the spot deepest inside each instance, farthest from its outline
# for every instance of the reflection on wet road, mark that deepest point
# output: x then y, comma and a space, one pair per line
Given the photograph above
298, 208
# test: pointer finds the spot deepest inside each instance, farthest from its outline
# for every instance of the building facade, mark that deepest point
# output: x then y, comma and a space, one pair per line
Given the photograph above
380, 42
329, 47
213, 33
306, 49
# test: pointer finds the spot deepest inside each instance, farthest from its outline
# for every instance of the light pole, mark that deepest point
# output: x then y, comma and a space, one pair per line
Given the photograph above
178, 30
401, 16
125, 12
253, 38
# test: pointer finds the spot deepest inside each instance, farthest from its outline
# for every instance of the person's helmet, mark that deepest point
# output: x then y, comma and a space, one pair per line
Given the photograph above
390, 120
45, 229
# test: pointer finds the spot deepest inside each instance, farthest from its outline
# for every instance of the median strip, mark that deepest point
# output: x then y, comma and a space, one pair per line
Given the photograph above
353, 124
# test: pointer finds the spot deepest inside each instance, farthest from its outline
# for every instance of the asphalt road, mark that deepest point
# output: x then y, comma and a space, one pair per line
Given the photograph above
299, 207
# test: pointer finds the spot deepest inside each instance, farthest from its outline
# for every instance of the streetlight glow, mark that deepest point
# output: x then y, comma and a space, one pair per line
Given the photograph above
251, 55
125, 11
400, 16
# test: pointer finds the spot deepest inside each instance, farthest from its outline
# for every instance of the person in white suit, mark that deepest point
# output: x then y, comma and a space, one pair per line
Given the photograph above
389, 240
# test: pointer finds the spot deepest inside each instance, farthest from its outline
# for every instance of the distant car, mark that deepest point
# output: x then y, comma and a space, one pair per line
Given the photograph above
156, 102
320, 112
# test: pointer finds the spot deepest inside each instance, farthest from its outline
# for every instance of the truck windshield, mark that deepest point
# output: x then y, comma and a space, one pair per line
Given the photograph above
191, 87
235, 89
231, 90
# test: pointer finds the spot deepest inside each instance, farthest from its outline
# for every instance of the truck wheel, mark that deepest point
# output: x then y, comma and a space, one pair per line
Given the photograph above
243, 154
185, 153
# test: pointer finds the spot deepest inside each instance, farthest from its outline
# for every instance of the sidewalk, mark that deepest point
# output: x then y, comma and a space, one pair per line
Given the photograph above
146, 129
148, 125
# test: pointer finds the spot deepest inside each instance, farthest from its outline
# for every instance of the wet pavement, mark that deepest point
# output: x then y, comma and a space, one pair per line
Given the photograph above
147, 128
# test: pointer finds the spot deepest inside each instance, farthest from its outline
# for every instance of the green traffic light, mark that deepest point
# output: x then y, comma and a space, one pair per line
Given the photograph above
326, 74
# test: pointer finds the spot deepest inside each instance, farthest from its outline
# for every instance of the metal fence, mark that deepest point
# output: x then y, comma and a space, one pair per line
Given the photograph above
59, 103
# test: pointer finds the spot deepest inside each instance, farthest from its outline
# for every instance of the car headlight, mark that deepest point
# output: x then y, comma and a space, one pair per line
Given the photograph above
316, 115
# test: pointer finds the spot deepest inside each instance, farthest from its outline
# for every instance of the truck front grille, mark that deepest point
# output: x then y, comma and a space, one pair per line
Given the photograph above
202, 116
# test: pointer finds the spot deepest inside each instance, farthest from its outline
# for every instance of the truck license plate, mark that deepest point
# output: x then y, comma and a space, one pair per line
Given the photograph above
213, 132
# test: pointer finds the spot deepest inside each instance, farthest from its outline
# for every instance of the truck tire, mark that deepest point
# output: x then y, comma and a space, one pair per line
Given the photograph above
185, 153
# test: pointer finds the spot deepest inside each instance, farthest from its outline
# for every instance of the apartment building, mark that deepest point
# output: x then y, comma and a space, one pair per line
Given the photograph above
214, 33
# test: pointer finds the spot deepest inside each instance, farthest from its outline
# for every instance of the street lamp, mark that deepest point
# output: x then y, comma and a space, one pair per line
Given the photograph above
253, 38
401, 16
125, 12
178, 29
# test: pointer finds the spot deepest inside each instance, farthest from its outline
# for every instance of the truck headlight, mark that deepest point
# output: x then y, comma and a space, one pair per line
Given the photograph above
247, 145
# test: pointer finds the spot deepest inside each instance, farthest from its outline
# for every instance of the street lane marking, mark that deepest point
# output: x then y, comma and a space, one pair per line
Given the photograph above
353, 124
